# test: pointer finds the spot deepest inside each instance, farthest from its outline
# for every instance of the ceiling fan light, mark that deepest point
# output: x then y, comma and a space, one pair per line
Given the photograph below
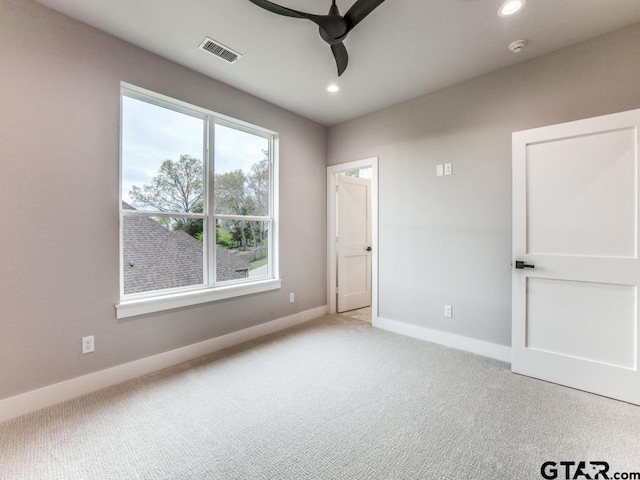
511, 7
333, 88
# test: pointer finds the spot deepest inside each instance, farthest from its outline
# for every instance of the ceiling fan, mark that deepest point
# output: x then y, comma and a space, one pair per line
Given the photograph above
333, 27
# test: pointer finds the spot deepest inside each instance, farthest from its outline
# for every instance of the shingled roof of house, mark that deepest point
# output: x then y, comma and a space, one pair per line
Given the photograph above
156, 258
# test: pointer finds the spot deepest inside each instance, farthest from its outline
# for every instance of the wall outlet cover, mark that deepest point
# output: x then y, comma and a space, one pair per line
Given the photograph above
88, 344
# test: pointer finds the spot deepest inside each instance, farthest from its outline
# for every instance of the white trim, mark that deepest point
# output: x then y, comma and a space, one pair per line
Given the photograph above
332, 171
274, 205
472, 345
141, 306
52, 394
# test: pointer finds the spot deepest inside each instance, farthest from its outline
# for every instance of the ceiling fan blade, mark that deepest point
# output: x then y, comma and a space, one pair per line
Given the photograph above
359, 11
325, 22
287, 12
341, 56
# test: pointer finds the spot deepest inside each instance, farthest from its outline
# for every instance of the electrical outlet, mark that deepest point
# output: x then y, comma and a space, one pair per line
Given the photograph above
292, 297
448, 169
88, 345
448, 311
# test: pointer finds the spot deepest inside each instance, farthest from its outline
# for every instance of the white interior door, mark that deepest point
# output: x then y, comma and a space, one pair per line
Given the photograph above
575, 220
354, 243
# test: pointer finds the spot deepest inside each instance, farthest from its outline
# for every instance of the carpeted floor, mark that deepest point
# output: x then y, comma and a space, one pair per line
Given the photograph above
331, 399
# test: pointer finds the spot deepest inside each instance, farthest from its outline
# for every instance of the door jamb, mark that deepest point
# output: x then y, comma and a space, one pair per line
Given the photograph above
332, 253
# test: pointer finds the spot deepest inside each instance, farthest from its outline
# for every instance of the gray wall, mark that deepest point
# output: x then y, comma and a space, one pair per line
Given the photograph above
447, 240
59, 136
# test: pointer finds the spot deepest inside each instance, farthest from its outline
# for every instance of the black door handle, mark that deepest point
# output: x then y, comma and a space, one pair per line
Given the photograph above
521, 265
368, 249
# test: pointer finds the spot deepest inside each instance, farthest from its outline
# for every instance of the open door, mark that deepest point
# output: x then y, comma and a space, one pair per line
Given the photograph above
575, 251
354, 243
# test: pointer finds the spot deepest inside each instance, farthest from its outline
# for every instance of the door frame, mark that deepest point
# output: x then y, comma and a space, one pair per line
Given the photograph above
332, 216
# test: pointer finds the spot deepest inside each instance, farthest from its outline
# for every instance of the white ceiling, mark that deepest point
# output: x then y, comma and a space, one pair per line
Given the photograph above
404, 49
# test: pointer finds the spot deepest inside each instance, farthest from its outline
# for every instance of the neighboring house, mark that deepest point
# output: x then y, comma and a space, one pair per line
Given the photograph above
156, 258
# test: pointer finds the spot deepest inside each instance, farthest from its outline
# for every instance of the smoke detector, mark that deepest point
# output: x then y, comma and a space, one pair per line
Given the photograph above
517, 46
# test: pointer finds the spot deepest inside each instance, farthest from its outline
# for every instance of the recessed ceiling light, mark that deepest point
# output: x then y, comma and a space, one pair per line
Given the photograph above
511, 7
333, 88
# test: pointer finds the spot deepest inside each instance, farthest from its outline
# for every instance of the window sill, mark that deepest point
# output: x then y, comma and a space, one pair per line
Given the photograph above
131, 308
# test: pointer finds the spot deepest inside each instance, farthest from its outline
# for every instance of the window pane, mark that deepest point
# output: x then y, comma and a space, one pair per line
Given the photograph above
242, 249
241, 172
161, 253
162, 160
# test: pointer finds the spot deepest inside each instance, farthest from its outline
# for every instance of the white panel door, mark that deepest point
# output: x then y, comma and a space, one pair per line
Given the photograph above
575, 251
354, 243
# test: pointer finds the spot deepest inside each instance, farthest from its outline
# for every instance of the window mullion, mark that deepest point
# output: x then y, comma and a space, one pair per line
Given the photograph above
151, 213
210, 204
254, 218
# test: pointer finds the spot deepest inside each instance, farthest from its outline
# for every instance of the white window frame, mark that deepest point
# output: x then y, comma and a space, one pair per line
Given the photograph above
211, 291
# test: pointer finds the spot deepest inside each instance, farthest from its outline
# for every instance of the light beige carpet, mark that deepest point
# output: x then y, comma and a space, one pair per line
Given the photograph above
331, 399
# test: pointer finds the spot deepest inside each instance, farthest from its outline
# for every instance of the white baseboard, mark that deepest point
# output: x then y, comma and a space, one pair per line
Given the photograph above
52, 394
472, 345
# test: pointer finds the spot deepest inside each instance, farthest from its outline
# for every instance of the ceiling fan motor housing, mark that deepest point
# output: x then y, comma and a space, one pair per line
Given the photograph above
334, 31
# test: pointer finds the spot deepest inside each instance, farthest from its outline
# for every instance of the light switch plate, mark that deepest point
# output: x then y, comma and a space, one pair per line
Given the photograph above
439, 170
